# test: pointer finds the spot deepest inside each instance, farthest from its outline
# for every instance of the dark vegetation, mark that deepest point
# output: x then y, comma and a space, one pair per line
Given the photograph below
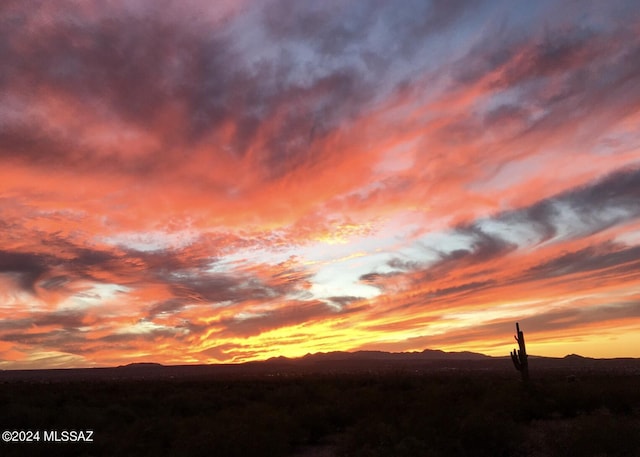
395, 413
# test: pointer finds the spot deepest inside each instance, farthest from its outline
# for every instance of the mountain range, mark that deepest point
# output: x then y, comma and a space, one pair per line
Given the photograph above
429, 360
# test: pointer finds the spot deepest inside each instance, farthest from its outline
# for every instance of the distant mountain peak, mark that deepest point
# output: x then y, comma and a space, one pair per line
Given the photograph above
141, 365
575, 357
426, 354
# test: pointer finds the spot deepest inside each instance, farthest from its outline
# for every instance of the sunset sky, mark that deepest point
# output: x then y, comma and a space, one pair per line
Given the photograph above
203, 182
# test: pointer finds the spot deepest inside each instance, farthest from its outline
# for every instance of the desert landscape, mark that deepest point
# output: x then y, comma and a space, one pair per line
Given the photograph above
428, 403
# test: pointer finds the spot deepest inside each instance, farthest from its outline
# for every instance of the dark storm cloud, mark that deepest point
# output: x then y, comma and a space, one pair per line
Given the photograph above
554, 54
326, 32
513, 55
139, 66
540, 217
507, 113
291, 314
63, 319
55, 282
343, 95
66, 319
20, 141
620, 190
339, 34
63, 262
344, 300
42, 269
462, 289
152, 335
193, 283
132, 65
184, 273
28, 266
33, 330
598, 206
164, 262
483, 246
234, 287
71, 339
123, 60
565, 319
51, 339
613, 200
608, 258
561, 71
203, 287
166, 307
287, 278
376, 279
86, 258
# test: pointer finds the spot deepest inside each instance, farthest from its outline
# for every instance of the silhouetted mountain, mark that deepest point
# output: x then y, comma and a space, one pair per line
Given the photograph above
426, 361
372, 361
427, 354
576, 357
142, 365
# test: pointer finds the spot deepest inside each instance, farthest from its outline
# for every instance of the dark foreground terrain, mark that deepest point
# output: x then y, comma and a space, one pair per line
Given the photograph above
393, 412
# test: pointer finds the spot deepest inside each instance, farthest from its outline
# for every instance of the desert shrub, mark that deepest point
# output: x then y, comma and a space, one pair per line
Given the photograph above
603, 434
593, 435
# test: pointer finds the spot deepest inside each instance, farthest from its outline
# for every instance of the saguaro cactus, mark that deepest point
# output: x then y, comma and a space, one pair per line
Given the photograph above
519, 357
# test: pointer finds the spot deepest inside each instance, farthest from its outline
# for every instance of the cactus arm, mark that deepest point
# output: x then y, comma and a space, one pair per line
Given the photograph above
516, 361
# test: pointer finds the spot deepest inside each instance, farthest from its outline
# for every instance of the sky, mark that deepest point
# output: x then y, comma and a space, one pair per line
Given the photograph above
191, 182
